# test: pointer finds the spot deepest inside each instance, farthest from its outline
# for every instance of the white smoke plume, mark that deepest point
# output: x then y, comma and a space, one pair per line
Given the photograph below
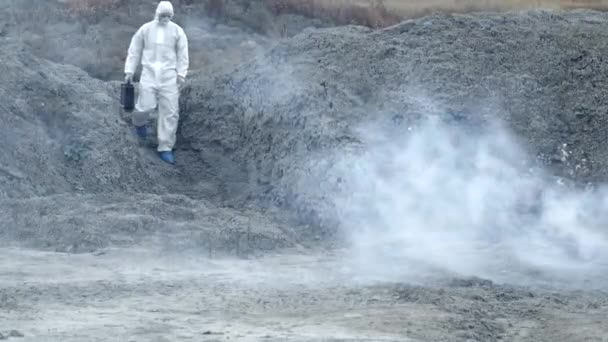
449, 199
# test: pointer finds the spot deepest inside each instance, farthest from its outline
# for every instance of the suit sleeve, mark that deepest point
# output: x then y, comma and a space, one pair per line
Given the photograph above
183, 59
135, 49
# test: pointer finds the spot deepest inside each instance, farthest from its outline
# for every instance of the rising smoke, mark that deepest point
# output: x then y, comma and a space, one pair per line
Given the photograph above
469, 202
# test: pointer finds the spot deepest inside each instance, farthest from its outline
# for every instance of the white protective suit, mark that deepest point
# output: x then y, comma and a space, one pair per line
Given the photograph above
162, 48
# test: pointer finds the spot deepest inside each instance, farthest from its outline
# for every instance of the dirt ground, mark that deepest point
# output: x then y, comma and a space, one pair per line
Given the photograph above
148, 295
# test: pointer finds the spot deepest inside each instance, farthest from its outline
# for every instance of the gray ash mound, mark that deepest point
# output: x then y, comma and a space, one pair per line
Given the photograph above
291, 113
75, 178
61, 132
274, 131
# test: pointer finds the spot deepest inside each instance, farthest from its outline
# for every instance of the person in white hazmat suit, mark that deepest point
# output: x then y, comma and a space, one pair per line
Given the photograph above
162, 48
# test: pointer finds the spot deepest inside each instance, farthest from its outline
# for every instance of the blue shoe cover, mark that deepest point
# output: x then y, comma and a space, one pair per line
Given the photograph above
167, 157
141, 131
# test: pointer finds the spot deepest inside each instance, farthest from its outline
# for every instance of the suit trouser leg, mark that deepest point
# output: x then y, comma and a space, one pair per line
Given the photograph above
168, 117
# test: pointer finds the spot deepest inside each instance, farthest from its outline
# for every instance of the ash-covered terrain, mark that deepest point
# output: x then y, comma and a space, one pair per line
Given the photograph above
437, 180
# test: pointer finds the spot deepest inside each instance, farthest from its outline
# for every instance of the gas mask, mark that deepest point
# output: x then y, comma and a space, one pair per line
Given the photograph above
164, 18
